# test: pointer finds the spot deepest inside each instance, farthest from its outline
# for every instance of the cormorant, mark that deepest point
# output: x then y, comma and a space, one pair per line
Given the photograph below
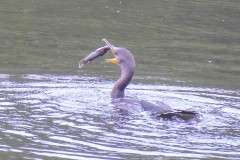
125, 60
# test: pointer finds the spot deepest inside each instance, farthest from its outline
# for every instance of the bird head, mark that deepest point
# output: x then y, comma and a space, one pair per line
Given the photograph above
122, 57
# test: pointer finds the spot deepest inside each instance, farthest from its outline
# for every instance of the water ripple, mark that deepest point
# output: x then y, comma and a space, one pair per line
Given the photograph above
50, 116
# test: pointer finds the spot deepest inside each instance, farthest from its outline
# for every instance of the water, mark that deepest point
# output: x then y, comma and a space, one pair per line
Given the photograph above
187, 56
71, 117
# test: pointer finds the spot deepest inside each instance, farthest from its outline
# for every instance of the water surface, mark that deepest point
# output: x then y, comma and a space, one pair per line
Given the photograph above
187, 56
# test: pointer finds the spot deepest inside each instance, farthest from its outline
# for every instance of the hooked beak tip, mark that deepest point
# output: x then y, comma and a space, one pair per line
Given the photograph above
109, 45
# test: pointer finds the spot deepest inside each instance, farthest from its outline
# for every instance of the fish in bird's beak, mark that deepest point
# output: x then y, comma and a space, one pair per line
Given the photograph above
113, 60
93, 55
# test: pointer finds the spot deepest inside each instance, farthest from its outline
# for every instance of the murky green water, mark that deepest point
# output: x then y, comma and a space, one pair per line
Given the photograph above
187, 55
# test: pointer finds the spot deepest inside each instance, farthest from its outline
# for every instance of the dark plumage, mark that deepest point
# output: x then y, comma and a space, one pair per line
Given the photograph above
125, 60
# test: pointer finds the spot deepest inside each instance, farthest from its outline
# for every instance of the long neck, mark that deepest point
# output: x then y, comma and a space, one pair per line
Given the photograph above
121, 84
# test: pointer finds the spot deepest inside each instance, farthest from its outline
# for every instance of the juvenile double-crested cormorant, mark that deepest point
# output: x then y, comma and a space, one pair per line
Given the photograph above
125, 60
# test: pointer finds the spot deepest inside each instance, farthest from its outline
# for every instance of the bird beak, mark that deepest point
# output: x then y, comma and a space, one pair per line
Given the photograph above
110, 46
113, 60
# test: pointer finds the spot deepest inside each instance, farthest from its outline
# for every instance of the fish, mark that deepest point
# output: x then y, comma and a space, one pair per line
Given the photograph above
93, 55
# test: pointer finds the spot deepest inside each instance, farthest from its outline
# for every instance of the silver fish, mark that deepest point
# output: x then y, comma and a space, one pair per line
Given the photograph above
93, 55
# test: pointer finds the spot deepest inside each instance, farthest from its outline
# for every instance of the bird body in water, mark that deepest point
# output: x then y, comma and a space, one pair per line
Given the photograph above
125, 60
